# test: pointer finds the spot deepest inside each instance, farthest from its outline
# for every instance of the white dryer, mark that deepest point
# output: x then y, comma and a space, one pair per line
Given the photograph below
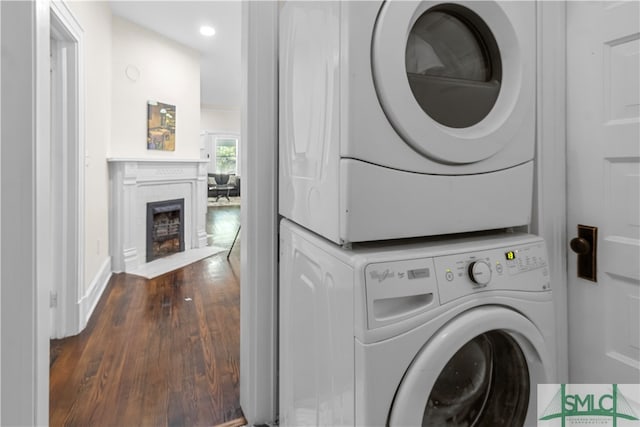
432, 333
402, 119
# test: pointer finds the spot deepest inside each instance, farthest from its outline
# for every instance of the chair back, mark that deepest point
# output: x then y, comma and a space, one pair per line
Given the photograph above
221, 178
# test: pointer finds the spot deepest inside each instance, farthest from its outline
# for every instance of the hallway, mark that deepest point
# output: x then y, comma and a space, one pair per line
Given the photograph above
157, 352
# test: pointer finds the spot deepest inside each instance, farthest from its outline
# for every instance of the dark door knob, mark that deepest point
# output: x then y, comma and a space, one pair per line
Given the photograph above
580, 245
586, 246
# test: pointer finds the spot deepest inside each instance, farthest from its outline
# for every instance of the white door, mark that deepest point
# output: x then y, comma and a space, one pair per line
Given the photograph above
603, 169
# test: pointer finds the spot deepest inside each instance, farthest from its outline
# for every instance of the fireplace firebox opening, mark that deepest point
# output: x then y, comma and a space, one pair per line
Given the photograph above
165, 228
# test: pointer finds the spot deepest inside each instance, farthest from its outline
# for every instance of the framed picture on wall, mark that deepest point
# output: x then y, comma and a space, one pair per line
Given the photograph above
161, 126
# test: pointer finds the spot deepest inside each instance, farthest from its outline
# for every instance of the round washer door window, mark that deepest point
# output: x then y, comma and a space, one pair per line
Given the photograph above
485, 383
481, 369
453, 65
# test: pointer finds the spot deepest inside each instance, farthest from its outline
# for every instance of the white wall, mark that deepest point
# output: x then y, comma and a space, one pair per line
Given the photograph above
168, 72
219, 120
95, 19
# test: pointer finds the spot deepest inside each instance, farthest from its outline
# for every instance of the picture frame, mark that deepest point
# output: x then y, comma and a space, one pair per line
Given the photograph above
161, 126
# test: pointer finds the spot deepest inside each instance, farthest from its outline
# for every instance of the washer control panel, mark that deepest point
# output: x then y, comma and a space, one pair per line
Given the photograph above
401, 289
518, 268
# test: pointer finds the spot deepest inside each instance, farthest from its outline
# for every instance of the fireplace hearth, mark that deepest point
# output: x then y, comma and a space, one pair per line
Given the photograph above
165, 228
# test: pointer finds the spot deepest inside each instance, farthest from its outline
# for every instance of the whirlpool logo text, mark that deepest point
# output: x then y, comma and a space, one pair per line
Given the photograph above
562, 405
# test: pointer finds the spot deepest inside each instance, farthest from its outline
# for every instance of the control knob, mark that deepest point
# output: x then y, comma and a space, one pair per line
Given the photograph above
480, 273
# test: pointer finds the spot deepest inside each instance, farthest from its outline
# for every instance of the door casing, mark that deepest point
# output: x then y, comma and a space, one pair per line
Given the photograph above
549, 200
67, 171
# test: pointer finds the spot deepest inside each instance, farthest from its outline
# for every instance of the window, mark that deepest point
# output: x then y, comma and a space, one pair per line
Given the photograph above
226, 155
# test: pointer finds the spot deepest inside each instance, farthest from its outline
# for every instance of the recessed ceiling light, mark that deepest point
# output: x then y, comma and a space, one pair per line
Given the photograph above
205, 30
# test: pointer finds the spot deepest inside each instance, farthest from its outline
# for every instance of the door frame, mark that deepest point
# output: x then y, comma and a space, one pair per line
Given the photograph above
549, 201
259, 215
67, 199
1, 223
26, 238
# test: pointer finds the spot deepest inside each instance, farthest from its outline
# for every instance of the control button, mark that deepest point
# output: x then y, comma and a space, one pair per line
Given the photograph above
499, 268
480, 272
449, 275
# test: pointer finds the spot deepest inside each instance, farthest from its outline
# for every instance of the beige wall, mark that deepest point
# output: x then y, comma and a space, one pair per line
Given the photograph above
168, 72
219, 120
95, 19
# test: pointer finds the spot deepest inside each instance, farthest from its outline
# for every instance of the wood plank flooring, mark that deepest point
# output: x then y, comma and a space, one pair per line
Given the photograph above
222, 225
161, 352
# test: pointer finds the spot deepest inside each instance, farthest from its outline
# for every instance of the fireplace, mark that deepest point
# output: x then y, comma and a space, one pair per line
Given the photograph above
165, 228
136, 182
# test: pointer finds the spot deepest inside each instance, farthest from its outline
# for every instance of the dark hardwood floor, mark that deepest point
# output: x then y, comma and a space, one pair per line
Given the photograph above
161, 352
222, 225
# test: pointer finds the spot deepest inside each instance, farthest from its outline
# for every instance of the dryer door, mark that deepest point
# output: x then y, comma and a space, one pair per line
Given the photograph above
455, 80
481, 369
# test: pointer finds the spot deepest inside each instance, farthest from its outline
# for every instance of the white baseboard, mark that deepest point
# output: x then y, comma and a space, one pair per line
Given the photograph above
89, 301
202, 238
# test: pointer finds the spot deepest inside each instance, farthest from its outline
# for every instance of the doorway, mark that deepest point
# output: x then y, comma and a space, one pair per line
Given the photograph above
66, 172
26, 299
258, 256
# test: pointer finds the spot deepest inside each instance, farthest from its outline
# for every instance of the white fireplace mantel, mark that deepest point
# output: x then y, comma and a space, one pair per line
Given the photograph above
136, 182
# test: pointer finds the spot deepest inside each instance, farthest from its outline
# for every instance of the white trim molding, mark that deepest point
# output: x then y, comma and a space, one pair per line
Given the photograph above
0, 217
26, 257
549, 215
136, 182
90, 300
259, 214
68, 168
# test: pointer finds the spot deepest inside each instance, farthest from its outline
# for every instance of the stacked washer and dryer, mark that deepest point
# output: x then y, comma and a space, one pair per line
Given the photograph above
407, 136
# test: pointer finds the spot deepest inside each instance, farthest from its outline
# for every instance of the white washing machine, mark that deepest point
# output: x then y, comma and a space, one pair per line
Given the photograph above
432, 333
402, 119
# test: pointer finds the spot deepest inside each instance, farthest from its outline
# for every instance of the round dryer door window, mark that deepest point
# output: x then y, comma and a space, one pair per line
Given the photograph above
453, 66
481, 369
456, 80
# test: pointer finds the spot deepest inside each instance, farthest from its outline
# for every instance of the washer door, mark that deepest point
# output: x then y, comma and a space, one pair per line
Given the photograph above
479, 370
450, 77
